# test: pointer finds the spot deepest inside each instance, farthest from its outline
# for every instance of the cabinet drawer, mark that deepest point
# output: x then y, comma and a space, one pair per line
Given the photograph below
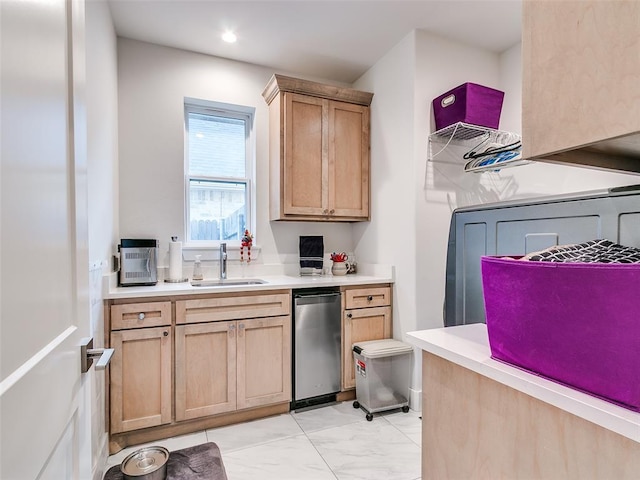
232, 308
138, 315
367, 297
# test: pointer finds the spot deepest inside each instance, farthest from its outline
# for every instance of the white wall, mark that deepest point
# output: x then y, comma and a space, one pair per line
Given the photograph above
153, 82
102, 182
390, 236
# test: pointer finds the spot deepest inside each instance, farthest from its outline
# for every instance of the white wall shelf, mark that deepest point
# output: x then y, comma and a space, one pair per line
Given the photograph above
473, 137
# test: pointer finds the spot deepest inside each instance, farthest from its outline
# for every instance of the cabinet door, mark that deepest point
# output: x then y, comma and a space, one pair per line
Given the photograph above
348, 129
264, 361
580, 77
205, 369
305, 167
140, 378
361, 325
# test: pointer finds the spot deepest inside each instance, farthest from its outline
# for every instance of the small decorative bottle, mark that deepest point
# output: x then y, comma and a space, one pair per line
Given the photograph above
197, 269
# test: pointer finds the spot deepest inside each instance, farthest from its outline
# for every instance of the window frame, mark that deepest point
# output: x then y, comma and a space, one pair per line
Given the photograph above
240, 112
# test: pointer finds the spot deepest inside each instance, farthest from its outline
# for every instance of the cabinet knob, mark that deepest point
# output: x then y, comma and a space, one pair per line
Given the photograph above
165, 333
349, 315
141, 316
325, 211
332, 211
232, 329
369, 298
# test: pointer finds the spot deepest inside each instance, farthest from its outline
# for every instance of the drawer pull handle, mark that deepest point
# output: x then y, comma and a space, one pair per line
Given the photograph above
349, 315
165, 333
141, 316
370, 298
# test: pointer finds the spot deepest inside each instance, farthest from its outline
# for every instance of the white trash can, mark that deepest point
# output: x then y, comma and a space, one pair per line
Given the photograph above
383, 370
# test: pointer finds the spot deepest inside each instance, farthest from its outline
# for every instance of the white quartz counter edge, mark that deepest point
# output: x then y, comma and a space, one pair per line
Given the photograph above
468, 346
272, 283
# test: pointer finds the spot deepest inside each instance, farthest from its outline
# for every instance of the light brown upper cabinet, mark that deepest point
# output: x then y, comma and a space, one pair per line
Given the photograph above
319, 151
581, 83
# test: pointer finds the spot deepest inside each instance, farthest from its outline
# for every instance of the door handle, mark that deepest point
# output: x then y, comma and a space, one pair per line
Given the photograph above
88, 353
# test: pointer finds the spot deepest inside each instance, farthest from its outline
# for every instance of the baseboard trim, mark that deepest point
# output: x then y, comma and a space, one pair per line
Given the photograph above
415, 400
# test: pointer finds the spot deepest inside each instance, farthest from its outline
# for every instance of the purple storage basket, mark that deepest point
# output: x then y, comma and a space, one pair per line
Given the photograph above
469, 103
575, 323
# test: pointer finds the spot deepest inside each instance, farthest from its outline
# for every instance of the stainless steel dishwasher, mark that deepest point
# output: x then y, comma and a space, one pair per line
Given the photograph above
317, 338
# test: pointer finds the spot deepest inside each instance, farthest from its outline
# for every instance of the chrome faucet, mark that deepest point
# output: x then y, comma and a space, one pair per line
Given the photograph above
223, 261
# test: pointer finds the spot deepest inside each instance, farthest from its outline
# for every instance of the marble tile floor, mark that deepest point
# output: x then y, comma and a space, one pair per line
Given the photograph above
333, 442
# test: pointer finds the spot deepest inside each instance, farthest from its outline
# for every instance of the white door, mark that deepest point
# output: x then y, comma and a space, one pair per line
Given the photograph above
43, 263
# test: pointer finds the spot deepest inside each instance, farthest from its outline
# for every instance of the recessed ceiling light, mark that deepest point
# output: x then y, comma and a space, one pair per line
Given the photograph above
229, 37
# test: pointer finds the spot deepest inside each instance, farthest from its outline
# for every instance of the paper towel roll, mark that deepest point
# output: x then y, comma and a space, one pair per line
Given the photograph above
175, 261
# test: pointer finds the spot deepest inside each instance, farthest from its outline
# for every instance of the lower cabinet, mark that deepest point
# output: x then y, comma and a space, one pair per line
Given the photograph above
140, 378
366, 316
180, 361
205, 369
264, 361
232, 365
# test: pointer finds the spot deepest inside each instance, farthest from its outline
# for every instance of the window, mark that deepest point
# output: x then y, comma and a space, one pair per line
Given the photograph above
219, 170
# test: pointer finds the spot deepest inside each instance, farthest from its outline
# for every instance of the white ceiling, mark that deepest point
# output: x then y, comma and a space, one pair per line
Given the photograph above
338, 40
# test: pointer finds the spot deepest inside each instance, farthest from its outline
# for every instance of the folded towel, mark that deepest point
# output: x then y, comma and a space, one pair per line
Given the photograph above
311, 246
311, 262
311, 253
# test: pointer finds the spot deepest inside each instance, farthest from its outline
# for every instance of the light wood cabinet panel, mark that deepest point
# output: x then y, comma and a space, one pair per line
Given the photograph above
227, 366
205, 369
581, 94
360, 325
140, 385
305, 159
139, 315
319, 151
264, 361
500, 432
232, 307
348, 160
367, 297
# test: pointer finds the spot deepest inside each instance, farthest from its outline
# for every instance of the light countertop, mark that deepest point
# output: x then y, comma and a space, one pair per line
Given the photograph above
468, 346
273, 282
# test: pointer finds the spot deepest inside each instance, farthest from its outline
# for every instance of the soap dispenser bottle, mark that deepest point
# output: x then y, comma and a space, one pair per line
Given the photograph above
197, 269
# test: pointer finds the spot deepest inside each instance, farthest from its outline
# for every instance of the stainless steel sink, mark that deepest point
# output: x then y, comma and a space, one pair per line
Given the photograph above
227, 282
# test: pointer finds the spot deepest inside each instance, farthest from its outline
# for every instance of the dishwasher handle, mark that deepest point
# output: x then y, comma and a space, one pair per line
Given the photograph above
310, 298
303, 295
